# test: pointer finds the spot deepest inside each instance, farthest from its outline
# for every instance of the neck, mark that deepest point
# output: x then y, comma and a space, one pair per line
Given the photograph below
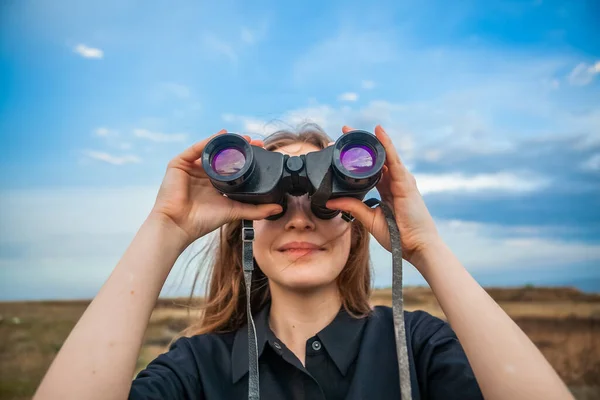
295, 317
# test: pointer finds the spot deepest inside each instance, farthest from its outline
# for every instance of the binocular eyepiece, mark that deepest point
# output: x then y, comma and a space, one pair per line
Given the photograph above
250, 174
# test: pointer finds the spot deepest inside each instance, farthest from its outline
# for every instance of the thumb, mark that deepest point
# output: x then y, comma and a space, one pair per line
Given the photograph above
256, 211
357, 208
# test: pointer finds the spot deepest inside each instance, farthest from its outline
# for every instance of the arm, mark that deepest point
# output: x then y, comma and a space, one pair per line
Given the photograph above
98, 359
506, 363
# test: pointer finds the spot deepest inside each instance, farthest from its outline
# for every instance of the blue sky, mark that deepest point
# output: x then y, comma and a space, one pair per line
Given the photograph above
494, 106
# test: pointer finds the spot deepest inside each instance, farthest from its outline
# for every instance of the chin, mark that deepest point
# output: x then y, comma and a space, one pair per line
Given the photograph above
306, 286
306, 275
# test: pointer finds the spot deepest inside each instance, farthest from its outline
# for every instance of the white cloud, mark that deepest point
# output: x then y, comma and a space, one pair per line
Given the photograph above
159, 136
367, 85
112, 159
254, 126
220, 47
583, 74
228, 117
112, 138
250, 125
491, 246
329, 118
105, 132
501, 181
496, 250
432, 155
348, 96
64, 243
88, 52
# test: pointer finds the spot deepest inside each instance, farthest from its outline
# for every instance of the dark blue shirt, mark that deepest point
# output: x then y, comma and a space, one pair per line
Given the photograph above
349, 359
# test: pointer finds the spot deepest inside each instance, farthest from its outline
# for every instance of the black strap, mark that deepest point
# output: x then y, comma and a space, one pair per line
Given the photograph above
397, 301
248, 265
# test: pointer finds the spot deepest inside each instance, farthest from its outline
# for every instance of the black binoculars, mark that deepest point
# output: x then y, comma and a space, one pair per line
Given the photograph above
250, 174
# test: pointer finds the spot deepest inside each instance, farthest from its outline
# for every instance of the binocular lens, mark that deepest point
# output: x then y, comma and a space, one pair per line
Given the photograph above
358, 158
228, 161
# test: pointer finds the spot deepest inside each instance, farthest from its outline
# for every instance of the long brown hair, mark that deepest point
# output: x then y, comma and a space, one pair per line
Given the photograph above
224, 308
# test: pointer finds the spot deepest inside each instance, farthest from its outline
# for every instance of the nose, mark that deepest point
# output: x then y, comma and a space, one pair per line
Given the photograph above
299, 215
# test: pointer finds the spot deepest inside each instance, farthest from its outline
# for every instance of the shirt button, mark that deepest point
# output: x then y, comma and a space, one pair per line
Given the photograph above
277, 345
316, 345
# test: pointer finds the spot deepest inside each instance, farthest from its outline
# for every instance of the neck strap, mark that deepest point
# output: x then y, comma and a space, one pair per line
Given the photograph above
397, 301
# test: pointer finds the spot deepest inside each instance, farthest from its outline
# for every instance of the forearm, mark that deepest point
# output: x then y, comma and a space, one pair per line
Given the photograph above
506, 363
98, 358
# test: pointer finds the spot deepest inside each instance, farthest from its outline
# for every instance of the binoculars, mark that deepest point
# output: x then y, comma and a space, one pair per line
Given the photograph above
250, 174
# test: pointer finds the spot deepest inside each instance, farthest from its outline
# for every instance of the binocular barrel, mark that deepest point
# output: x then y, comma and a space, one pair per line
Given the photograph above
247, 173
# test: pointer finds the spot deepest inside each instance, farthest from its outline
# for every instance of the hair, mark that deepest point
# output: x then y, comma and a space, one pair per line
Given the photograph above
224, 307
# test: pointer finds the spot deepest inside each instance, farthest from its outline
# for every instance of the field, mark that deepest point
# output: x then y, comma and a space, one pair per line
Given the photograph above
563, 322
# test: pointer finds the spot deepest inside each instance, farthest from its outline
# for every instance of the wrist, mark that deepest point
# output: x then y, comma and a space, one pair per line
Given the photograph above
423, 255
173, 233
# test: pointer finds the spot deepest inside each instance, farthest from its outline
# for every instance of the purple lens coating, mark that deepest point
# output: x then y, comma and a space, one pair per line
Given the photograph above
357, 158
228, 161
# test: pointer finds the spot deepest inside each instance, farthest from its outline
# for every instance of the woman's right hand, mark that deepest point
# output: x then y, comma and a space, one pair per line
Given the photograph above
187, 198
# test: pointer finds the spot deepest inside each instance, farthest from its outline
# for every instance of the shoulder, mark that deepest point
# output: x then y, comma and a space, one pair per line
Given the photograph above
203, 344
178, 372
439, 361
422, 328
189, 354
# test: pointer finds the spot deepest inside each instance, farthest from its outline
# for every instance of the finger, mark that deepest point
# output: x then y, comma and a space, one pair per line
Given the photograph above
194, 152
391, 155
357, 208
257, 142
346, 129
330, 143
255, 211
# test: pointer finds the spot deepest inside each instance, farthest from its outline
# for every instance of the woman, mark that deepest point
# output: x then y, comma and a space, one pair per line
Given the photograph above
317, 336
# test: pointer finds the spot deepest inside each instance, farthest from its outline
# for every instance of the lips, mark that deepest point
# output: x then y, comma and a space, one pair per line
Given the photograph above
300, 246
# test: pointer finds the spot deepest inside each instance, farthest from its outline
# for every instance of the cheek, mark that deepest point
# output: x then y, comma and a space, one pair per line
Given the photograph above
265, 235
343, 245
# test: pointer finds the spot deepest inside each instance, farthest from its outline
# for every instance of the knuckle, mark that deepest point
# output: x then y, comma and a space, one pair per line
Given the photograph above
173, 163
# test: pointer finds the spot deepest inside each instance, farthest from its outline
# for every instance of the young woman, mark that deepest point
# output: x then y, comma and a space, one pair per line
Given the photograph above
318, 338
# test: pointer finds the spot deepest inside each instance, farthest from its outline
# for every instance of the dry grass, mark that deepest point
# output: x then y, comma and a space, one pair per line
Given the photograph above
563, 323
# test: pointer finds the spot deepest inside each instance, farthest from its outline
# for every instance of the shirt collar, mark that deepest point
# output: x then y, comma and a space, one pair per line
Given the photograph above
341, 339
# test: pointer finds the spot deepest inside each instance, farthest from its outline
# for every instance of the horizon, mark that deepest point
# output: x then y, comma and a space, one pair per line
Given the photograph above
375, 289
494, 107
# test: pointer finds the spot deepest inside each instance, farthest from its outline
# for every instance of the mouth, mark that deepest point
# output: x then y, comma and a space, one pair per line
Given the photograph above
301, 252
300, 249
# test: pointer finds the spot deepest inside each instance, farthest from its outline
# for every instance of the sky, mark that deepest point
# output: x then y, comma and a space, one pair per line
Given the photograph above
493, 106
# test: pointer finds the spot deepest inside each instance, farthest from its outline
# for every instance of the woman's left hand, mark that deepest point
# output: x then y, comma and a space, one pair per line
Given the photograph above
398, 188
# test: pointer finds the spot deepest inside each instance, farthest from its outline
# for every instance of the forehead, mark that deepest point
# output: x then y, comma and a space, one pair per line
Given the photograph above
297, 149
